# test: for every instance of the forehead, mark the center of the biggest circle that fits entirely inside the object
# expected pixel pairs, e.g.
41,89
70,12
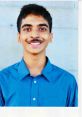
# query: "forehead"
34,20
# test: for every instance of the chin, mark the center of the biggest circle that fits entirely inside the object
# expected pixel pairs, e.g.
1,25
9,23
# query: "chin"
33,52
36,53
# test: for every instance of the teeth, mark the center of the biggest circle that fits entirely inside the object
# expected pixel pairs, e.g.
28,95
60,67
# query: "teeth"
36,43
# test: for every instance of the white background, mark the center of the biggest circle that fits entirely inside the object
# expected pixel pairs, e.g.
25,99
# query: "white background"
53,112
63,51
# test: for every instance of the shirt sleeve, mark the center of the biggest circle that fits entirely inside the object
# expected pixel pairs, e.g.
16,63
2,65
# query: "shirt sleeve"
76,96
1,98
73,100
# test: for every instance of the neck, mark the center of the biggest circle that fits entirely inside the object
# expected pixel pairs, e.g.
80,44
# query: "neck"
35,63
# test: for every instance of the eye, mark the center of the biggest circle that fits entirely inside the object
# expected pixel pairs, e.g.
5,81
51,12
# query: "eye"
27,29
42,29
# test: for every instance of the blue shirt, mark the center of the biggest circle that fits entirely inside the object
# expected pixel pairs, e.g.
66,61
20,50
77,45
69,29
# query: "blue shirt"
54,87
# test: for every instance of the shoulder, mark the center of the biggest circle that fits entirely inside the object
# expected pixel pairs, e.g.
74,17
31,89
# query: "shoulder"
10,70
63,75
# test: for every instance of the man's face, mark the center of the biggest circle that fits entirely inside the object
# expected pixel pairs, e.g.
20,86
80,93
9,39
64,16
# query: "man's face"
34,34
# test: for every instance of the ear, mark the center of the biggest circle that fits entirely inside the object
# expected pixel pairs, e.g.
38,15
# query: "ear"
18,38
51,37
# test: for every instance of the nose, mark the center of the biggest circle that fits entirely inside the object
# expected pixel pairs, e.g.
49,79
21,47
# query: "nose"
34,33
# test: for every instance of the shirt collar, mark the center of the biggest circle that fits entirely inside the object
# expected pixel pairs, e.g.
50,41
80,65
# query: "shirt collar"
22,69
50,72
47,71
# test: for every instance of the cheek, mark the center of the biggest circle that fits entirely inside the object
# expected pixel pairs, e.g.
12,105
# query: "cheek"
46,37
23,37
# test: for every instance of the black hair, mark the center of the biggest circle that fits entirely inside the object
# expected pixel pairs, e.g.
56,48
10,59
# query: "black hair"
36,10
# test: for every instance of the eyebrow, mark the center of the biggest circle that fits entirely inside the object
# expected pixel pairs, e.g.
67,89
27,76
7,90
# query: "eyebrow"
25,25
29,25
43,25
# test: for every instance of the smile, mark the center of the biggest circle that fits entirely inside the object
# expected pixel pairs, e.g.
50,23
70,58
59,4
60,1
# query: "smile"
35,43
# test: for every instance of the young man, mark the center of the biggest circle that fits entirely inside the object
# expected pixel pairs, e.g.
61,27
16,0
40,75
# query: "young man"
34,81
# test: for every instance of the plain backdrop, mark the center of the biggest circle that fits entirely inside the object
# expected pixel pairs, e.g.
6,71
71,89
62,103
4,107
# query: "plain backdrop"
63,51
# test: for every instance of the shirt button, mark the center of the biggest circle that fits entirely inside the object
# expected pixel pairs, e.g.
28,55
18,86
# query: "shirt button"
34,99
35,81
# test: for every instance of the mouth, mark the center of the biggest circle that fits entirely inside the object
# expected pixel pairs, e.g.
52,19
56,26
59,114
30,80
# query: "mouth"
35,43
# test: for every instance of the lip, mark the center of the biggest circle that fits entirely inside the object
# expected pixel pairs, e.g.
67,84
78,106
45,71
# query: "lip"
35,43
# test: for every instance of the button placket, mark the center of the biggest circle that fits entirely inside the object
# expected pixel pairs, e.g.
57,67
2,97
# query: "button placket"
34,92
35,81
34,99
